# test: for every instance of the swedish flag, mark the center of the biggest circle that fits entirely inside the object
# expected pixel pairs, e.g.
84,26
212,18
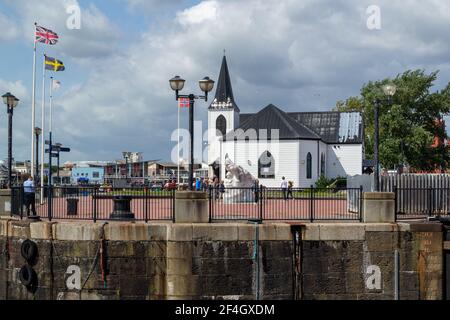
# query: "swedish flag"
54,64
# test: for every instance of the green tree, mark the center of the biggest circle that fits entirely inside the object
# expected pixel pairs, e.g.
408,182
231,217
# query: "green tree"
410,124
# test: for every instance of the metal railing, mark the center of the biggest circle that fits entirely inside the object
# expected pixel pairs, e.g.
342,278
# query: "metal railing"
259,203
306,204
416,203
95,203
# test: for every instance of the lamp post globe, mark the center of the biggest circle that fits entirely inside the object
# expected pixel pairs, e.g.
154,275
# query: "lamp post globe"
206,85
177,83
390,89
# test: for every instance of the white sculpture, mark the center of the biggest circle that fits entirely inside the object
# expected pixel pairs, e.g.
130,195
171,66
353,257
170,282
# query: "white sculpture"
237,177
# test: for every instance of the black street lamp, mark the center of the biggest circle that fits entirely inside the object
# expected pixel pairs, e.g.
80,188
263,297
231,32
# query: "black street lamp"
37,132
206,85
389,90
11,102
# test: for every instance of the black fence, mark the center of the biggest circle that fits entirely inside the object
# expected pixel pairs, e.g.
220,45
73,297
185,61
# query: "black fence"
416,203
304,204
95,203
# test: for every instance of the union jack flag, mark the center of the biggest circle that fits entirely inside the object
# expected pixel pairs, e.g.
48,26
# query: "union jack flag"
184,102
46,36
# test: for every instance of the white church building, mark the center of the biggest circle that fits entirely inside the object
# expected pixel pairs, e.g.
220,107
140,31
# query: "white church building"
272,144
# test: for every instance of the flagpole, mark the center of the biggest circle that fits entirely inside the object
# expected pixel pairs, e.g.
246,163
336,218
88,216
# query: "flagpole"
50,128
178,178
33,107
43,129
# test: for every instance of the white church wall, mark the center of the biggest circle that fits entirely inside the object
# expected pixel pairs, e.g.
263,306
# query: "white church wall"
344,160
305,148
246,154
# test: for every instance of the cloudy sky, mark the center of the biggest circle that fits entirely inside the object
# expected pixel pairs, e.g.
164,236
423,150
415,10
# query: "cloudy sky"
299,55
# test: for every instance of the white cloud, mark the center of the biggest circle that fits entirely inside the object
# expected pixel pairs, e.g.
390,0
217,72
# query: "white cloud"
199,13
8,27
97,37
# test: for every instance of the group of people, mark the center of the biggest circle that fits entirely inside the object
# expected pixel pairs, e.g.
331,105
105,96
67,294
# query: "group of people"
286,187
204,184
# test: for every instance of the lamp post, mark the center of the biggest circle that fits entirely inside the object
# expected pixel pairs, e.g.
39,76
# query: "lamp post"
206,85
37,132
389,90
11,102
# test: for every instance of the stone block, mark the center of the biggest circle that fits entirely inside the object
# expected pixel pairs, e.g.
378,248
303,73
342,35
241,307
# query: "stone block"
178,285
133,286
76,231
311,232
347,231
179,266
157,232
215,232
180,232
19,229
267,232
179,249
381,241
156,266
126,231
156,249
41,230
191,207
381,227
426,227
4,224
5,202
378,207
274,249
246,232
283,232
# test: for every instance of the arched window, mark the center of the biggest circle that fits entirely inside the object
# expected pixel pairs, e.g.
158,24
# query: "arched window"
309,166
322,164
266,166
221,125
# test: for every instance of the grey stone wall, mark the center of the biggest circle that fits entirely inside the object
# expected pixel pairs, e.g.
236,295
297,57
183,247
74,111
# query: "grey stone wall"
217,261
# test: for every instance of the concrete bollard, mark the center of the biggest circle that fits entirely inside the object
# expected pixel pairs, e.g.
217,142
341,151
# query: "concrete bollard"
191,207
379,207
5,202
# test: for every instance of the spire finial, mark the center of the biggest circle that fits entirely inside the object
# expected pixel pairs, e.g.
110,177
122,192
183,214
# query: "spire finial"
224,52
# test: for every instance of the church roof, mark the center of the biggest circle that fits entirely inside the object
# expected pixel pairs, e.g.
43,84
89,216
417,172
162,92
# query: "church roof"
272,118
224,98
331,127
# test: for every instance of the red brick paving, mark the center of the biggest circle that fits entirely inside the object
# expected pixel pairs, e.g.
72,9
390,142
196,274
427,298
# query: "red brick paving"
161,209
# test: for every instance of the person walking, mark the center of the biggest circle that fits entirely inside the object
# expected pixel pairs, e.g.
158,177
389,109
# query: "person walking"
198,185
30,196
284,188
290,187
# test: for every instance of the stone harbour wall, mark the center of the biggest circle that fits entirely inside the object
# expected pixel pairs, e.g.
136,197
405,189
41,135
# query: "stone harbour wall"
85,260
357,261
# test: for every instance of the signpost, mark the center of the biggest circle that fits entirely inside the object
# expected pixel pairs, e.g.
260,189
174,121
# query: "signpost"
53,152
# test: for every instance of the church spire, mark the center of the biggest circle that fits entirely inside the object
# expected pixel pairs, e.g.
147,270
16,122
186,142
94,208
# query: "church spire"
224,94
